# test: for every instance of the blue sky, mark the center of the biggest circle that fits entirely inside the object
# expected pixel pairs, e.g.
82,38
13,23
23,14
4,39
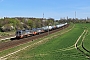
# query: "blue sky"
51,8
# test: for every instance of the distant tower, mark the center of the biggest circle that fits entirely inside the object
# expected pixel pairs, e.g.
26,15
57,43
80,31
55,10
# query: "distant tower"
43,20
43,15
87,18
75,15
67,17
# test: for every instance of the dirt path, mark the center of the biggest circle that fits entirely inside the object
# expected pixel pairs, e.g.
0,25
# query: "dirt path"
83,43
72,46
79,38
76,46
84,33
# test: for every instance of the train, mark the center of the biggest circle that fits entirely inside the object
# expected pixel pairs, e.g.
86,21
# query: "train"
36,31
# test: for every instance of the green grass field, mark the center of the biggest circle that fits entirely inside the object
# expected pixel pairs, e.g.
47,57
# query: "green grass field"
58,48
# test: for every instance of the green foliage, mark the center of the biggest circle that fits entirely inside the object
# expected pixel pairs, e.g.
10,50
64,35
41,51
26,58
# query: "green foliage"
8,22
38,23
2,22
50,21
30,23
14,21
34,23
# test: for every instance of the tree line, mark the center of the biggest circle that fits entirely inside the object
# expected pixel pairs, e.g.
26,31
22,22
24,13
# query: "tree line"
17,23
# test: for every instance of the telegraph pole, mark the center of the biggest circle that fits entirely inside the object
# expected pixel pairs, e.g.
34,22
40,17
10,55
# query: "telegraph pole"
45,22
48,26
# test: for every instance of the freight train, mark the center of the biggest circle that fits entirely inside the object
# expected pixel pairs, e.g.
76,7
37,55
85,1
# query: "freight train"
35,31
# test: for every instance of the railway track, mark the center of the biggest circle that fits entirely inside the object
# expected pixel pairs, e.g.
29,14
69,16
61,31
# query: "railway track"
16,42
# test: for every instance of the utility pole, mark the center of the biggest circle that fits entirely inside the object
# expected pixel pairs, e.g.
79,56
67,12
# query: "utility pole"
45,22
48,27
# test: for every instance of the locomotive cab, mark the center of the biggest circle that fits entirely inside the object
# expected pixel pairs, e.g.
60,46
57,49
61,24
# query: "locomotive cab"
19,34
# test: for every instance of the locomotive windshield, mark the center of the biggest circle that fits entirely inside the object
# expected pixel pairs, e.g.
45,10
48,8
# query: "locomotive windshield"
18,32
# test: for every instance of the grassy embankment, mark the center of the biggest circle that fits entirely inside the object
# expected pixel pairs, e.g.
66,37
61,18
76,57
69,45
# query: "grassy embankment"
86,41
54,49
2,34
6,35
60,48
2,53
